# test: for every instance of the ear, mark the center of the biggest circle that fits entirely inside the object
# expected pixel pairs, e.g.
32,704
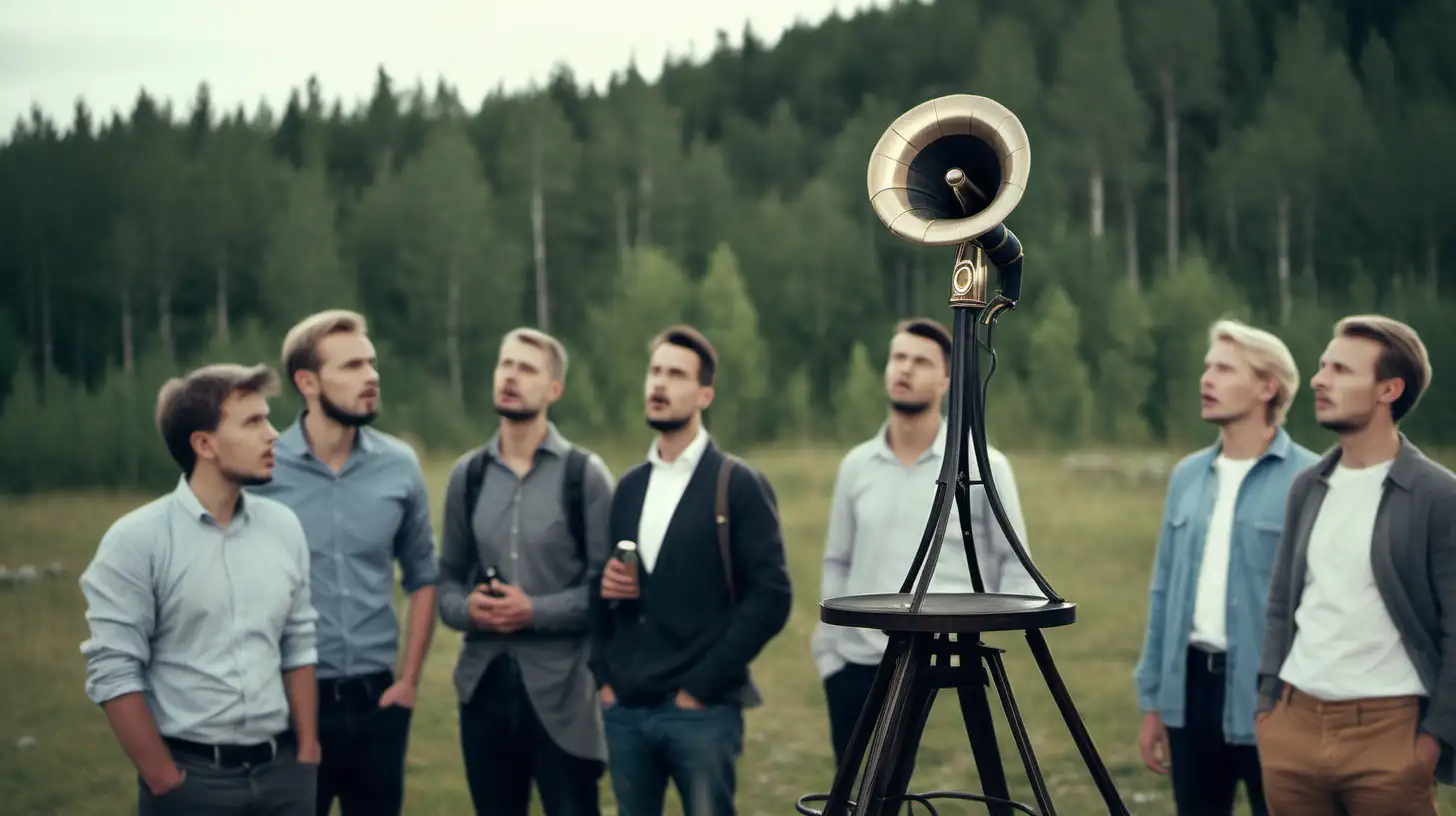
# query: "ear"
1268,388
1388,391
554,390
705,397
306,381
203,445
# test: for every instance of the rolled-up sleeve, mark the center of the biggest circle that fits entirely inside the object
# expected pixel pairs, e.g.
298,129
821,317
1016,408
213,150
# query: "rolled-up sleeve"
299,644
120,613
414,543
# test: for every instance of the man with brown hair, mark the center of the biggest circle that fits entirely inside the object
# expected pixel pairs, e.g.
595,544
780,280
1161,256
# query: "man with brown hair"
202,648
1357,707
674,634
882,492
361,497
525,535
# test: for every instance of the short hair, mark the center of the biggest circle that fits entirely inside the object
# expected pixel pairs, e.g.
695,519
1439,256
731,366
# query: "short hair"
300,345
930,329
555,352
1402,355
1268,356
193,402
690,338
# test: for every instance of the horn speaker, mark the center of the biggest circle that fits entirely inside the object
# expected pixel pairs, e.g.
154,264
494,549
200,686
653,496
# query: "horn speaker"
948,172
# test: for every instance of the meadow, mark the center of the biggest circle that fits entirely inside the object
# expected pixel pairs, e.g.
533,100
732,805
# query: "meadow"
1091,532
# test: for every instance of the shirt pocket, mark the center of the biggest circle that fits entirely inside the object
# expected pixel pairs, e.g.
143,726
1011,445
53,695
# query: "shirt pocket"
1261,548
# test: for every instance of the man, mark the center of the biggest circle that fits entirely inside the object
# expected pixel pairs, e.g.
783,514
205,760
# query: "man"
1196,680
361,498
525,534
202,650
878,514
674,632
1357,690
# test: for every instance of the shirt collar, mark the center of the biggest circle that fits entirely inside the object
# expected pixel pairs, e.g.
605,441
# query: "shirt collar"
936,449
185,495
689,457
554,442
294,440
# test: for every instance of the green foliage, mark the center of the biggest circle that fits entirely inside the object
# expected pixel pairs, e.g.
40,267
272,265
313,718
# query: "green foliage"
1283,163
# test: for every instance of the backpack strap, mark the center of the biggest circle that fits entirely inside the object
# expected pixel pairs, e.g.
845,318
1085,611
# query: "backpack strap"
721,512
475,472
573,497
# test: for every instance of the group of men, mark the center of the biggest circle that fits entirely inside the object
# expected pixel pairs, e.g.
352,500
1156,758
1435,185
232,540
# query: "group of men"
1302,607
244,641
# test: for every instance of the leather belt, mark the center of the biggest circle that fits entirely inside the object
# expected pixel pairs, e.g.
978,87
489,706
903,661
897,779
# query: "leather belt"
1213,662
234,756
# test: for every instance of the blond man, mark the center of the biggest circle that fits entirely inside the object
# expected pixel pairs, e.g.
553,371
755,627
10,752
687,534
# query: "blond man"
525,534
1196,680
1357,703
361,497
202,647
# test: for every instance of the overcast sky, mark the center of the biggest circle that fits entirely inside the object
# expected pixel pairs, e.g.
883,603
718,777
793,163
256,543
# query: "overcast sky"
54,51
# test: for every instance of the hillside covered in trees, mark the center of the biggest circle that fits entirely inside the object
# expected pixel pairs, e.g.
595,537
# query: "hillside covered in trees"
1285,162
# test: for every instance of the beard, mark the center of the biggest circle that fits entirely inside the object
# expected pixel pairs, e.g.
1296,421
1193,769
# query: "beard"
1344,426
241,479
348,419
910,409
668,424
518,414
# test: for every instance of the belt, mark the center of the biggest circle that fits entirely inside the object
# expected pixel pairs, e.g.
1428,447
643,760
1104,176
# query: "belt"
1213,662
365,687
234,756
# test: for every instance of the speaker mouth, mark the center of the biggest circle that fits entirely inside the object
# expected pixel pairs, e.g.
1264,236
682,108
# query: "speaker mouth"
906,177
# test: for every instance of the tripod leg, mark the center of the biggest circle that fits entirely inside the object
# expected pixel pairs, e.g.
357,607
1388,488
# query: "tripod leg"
981,732
1018,731
866,726
895,716
918,714
1078,729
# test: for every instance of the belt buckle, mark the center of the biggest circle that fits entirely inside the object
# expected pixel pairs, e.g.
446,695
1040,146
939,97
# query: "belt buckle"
1209,656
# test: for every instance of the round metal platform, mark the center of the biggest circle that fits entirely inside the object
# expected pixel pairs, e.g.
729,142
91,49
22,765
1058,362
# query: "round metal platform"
946,612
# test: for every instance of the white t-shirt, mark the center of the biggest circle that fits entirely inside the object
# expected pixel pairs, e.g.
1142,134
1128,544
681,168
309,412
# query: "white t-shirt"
1346,646
1210,605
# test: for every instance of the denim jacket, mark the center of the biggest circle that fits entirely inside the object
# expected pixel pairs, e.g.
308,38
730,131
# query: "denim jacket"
1258,521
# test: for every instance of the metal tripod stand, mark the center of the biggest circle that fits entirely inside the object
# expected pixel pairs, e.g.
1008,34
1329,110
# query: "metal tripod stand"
935,638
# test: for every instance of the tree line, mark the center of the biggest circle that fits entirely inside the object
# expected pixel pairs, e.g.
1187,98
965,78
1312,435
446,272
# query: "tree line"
1284,162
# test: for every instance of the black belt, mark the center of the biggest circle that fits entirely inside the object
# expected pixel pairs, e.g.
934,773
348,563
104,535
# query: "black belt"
364,688
1213,662
234,756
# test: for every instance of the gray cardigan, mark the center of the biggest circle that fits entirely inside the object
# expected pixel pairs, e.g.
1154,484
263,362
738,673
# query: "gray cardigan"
1413,555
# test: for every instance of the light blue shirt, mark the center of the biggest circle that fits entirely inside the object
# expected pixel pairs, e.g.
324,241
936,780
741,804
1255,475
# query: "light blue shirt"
202,620
360,521
877,518
1162,670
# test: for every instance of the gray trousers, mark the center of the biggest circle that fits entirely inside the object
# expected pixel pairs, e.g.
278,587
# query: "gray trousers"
282,787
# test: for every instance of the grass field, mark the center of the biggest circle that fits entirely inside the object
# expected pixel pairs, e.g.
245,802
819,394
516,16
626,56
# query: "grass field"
1092,535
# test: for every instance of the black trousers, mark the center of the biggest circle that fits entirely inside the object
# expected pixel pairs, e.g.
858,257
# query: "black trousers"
265,778
505,747
846,692
1207,770
363,747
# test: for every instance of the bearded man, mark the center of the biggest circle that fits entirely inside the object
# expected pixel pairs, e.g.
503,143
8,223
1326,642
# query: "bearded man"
361,497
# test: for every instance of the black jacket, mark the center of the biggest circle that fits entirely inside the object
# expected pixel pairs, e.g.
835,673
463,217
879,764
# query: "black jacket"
683,632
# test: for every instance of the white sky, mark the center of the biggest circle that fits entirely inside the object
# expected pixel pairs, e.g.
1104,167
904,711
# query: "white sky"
54,51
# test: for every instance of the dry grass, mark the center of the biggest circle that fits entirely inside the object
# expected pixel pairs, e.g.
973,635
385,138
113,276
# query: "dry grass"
1092,535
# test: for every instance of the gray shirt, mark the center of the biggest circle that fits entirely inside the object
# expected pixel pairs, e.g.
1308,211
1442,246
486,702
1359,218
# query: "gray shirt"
360,522
877,517
201,619
521,527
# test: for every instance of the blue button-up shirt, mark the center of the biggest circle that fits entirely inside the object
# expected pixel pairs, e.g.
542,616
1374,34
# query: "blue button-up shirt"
201,619
1258,522
360,521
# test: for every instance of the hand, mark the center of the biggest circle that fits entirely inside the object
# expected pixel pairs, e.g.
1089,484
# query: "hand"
310,753
609,698
500,608
618,582
168,783
1153,743
1428,751
401,694
686,702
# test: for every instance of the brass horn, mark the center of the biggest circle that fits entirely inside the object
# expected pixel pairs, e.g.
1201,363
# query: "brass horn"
948,172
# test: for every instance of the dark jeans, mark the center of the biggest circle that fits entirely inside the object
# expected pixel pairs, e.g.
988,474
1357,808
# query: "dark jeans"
846,692
1206,769
281,786
363,747
505,747
697,749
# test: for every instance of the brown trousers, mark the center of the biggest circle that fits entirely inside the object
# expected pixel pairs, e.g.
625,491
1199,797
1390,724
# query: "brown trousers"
1354,758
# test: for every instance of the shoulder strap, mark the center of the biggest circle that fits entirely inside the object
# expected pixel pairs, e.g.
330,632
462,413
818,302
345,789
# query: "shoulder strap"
475,472
721,512
573,495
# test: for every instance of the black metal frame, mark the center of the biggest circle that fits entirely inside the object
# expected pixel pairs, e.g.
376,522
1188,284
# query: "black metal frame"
938,645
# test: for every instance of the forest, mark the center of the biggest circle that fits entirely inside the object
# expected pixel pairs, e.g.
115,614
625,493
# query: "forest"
1283,162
